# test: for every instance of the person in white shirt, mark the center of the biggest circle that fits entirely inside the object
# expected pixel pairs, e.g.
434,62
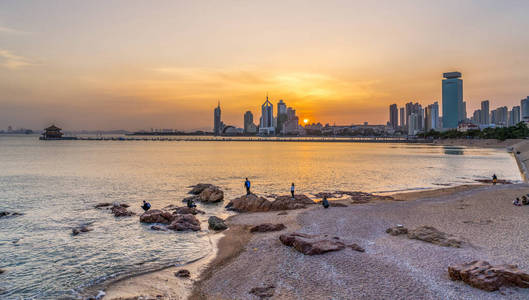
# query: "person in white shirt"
292,190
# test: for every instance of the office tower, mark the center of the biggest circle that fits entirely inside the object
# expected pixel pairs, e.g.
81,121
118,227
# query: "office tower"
281,115
500,116
524,111
427,118
485,117
248,121
402,118
452,99
217,123
431,117
463,111
493,117
413,124
514,116
291,125
477,116
267,118
393,116
419,114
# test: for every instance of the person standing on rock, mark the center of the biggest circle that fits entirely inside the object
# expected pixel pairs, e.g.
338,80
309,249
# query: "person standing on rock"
494,179
247,186
292,188
146,205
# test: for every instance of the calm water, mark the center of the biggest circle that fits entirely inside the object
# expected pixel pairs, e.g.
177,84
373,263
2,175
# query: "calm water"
56,183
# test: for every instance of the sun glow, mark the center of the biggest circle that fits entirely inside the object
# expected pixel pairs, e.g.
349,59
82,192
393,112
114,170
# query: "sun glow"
305,121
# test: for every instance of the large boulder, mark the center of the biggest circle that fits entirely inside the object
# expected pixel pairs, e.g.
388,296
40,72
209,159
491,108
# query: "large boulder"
397,230
311,244
217,223
121,211
482,275
211,194
198,188
432,235
157,216
183,210
183,273
254,203
185,222
267,227
263,292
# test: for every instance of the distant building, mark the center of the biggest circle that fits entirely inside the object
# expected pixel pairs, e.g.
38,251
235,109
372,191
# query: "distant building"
452,99
393,116
281,115
9,129
249,126
415,108
466,126
267,118
476,118
524,110
431,117
52,133
413,124
485,114
402,118
499,116
514,116
217,123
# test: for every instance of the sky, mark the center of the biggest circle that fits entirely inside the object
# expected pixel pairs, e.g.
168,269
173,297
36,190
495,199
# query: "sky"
109,64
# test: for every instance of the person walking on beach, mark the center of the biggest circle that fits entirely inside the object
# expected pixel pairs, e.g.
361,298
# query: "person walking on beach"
146,205
494,179
247,186
292,188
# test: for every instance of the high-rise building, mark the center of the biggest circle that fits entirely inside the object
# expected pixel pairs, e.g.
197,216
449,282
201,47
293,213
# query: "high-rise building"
402,118
281,115
413,124
514,116
524,110
393,116
431,117
291,125
267,118
485,114
249,126
452,99
217,123
477,116
419,114
502,115
463,111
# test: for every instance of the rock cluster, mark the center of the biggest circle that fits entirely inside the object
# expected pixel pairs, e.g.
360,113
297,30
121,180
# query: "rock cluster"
397,230
120,210
267,227
263,292
9,214
182,210
183,273
254,203
432,235
355,197
216,223
206,192
315,244
482,275
175,221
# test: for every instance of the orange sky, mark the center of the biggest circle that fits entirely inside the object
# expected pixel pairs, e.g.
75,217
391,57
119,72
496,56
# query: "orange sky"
137,64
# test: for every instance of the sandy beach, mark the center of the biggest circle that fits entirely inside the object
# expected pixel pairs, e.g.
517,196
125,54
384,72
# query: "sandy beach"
392,267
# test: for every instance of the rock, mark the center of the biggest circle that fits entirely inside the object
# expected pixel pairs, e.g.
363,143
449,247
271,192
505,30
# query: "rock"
197,189
431,235
397,230
121,211
211,194
356,247
2,271
311,244
183,210
103,204
194,198
217,223
482,275
263,292
10,214
267,227
183,273
185,222
157,216
81,229
254,203
158,228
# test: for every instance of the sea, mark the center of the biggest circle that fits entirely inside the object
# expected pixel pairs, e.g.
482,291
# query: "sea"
55,185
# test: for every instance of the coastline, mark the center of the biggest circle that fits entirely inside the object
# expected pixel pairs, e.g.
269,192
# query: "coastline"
479,143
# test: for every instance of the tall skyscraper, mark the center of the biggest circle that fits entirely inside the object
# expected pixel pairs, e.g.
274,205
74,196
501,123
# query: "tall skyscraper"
514,116
248,121
402,118
477,116
485,114
452,99
431,117
413,124
393,116
417,109
217,123
525,109
281,115
463,111
267,118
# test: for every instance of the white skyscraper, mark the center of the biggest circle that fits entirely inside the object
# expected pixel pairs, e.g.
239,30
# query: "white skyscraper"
267,118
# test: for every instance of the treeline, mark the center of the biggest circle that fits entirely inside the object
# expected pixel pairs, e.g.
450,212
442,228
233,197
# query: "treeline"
519,131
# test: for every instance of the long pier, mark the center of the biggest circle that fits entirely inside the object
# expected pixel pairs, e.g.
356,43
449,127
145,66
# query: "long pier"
261,139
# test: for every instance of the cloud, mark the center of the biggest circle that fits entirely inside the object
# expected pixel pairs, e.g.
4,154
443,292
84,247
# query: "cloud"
7,30
11,61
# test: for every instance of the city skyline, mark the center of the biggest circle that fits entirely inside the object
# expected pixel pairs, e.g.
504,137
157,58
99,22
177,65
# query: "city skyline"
131,65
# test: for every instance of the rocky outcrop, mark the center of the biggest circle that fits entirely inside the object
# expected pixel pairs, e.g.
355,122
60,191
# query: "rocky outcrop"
482,275
254,203
216,223
356,247
81,229
184,223
205,192
198,188
5,214
267,227
183,273
397,230
158,228
431,235
311,244
263,292
183,210
121,210
157,216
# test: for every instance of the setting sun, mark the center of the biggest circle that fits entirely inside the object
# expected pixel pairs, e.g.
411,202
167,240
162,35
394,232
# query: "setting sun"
305,121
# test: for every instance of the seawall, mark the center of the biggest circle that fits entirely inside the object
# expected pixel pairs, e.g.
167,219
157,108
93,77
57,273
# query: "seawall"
521,154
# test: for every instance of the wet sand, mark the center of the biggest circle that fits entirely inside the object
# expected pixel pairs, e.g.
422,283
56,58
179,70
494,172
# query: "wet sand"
480,143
